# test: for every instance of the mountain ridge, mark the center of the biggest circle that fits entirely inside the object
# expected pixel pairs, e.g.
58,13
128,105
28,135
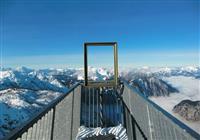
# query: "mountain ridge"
28,90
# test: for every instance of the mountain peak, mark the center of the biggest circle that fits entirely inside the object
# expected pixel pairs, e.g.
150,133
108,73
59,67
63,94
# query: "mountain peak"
190,110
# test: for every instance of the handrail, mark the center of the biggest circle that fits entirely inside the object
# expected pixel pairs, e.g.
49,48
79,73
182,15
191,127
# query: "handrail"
30,122
135,122
168,115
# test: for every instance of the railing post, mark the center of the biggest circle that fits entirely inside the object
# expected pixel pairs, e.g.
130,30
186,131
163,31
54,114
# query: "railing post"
101,106
133,128
52,125
72,115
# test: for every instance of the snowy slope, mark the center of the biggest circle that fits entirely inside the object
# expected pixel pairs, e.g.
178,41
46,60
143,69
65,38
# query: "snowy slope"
24,92
18,105
188,71
152,86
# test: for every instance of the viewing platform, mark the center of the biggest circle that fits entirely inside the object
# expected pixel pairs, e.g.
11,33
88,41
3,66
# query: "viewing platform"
81,106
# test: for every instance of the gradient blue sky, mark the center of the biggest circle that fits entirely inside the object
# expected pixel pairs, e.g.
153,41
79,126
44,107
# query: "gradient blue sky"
43,33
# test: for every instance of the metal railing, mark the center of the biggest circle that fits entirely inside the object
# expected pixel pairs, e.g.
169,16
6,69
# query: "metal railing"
155,123
100,107
58,121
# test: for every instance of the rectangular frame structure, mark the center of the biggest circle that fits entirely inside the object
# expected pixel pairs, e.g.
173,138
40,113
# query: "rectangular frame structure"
106,83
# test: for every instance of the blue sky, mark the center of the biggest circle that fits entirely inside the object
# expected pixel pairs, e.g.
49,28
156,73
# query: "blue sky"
42,34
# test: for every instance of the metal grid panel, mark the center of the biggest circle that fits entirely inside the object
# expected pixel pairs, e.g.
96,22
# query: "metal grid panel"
58,121
100,107
154,124
67,116
76,111
63,119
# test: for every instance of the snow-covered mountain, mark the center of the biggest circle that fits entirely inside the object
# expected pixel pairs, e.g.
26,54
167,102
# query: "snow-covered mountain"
152,86
188,71
24,91
18,105
99,74
21,80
